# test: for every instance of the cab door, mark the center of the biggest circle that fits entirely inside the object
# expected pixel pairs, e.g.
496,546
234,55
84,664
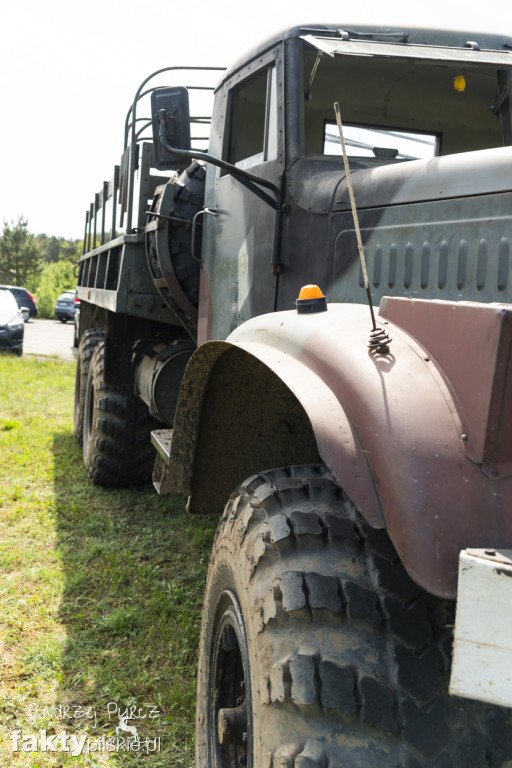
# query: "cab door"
247,131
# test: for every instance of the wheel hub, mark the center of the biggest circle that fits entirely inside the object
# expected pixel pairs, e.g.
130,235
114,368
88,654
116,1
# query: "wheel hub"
230,694
232,725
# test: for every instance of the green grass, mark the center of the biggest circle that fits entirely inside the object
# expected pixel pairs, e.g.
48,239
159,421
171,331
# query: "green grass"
100,591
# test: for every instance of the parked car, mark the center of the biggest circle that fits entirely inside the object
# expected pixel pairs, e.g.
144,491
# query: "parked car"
66,306
24,299
12,326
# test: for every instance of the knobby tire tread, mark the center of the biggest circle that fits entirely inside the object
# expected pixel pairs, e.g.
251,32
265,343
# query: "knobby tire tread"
118,451
86,348
350,658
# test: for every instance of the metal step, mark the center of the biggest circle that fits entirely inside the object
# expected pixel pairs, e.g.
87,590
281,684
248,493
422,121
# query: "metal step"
161,441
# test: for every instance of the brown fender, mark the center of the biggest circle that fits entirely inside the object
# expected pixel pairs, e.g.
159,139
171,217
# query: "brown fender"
393,429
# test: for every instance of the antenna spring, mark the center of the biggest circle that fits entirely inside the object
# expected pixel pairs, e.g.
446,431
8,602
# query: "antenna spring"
379,341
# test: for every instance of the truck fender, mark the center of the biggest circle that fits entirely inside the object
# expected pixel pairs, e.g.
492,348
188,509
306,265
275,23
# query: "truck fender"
243,408
288,388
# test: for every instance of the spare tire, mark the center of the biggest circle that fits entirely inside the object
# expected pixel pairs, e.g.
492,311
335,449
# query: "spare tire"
173,266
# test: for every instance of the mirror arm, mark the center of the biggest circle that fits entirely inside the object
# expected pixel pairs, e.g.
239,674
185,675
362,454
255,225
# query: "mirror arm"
249,180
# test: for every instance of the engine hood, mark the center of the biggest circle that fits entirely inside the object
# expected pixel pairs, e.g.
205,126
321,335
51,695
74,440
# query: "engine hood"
318,184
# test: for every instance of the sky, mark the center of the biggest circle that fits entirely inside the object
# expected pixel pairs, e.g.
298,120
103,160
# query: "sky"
69,70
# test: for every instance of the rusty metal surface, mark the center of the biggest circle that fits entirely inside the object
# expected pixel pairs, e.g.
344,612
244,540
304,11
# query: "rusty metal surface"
472,345
434,500
336,435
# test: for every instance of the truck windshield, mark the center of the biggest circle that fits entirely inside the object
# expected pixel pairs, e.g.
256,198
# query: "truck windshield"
419,107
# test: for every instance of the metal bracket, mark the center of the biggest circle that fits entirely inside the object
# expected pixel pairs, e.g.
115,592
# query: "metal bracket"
203,212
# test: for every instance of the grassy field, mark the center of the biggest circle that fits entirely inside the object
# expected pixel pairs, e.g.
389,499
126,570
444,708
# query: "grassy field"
100,595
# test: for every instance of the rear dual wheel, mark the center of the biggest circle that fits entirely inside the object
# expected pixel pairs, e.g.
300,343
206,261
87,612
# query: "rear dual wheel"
116,430
318,651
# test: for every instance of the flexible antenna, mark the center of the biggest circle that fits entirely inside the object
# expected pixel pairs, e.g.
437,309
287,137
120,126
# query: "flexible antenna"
379,339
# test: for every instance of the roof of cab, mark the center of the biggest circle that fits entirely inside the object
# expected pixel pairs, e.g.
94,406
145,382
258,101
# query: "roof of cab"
448,38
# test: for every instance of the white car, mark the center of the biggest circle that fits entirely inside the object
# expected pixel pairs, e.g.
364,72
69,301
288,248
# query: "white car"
12,326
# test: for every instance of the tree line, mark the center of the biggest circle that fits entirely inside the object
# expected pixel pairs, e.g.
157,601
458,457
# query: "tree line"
44,265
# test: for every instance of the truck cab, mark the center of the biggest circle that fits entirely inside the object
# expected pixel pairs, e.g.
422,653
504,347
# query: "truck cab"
407,100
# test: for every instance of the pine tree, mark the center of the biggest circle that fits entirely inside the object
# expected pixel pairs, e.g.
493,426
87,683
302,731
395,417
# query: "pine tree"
20,255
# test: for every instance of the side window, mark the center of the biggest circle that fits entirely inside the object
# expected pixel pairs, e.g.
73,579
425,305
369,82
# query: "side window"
252,134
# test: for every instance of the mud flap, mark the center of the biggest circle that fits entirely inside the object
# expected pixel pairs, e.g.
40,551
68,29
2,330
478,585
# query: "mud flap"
482,656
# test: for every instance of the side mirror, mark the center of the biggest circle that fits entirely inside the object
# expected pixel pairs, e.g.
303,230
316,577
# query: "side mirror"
171,127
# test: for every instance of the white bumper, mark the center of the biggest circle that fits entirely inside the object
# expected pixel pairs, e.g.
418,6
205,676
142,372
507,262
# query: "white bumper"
482,653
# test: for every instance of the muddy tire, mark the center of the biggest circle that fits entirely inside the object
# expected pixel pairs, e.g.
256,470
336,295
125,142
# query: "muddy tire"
318,650
117,431
85,350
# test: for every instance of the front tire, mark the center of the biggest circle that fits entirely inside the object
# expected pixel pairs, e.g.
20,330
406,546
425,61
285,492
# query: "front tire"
116,431
337,658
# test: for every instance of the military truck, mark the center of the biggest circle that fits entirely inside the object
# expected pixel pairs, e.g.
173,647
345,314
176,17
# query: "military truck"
298,314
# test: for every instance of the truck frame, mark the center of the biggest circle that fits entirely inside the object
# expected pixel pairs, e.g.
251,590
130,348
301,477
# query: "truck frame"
355,609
